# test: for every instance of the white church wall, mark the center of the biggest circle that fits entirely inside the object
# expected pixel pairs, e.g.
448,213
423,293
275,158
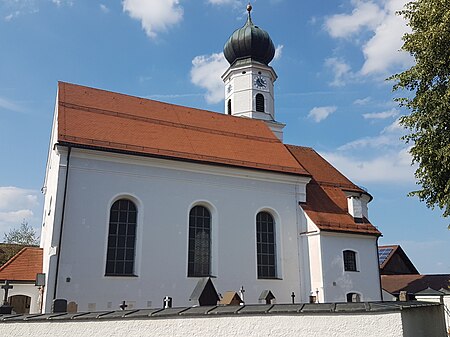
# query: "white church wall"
312,250
54,185
337,282
164,192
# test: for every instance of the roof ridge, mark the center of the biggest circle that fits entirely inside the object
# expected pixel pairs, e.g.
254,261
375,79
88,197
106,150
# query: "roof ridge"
167,123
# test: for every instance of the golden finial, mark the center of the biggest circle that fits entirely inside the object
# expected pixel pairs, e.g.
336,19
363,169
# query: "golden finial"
249,8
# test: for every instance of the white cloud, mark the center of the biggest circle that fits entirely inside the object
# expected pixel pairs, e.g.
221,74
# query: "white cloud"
8,105
341,70
389,137
11,196
155,16
16,8
62,2
15,217
223,2
391,167
104,9
381,52
278,52
17,204
385,27
381,115
362,101
365,14
383,158
318,114
206,73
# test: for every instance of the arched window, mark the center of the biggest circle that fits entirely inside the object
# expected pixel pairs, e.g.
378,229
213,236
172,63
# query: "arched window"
265,245
349,260
121,238
229,107
260,103
199,251
353,297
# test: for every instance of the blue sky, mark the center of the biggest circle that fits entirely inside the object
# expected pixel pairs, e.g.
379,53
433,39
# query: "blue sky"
332,61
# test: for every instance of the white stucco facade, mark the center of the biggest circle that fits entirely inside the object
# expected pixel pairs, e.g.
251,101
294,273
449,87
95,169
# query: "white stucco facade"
164,191
328,280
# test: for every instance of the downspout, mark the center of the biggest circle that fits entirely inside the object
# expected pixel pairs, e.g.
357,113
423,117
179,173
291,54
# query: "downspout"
62,223
379,274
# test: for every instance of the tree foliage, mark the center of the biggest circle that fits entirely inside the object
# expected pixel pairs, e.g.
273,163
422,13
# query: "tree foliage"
428,100
24,235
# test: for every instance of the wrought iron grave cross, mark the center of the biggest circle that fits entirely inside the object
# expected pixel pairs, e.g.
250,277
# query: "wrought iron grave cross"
6,288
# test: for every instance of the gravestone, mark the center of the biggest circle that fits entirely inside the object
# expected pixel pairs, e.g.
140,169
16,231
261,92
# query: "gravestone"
230,298
267,296
72,307
205,293
59,305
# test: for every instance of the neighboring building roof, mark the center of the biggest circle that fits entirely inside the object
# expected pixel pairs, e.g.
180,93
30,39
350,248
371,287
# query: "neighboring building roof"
8,250
23,266
326,202
429,292
414,283
394,261
103,120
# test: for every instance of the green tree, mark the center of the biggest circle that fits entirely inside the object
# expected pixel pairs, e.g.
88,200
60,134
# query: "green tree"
24,235
428,99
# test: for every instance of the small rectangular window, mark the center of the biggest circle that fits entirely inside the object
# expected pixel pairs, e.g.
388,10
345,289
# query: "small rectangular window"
349,260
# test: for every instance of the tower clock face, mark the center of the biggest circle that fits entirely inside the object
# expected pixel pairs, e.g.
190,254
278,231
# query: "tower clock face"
260,82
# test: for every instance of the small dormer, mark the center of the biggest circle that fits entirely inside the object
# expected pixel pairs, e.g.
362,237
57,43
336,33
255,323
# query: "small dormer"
357,204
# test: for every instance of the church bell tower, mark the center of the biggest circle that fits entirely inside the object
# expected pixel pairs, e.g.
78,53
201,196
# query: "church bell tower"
249,81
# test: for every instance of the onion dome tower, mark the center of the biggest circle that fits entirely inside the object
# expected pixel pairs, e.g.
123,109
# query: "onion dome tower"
249,90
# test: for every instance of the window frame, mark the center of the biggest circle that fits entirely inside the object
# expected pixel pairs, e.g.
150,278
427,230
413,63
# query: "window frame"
270,269
350,260
260,103
125,242
193,225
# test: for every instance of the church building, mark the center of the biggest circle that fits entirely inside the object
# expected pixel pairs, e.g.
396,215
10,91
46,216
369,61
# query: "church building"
145,199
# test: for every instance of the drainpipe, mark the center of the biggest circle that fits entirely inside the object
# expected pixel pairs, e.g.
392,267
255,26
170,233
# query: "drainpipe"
379,275
58,250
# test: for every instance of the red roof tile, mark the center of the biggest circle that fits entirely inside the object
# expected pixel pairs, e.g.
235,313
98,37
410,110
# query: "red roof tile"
326,202
414,283
111,121
23,266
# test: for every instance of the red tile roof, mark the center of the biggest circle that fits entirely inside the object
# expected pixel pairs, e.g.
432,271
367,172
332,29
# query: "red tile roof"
103,120
414,283
110,121
23,266
326,202
397,262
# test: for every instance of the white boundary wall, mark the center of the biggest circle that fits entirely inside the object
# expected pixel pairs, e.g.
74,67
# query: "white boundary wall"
415,322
